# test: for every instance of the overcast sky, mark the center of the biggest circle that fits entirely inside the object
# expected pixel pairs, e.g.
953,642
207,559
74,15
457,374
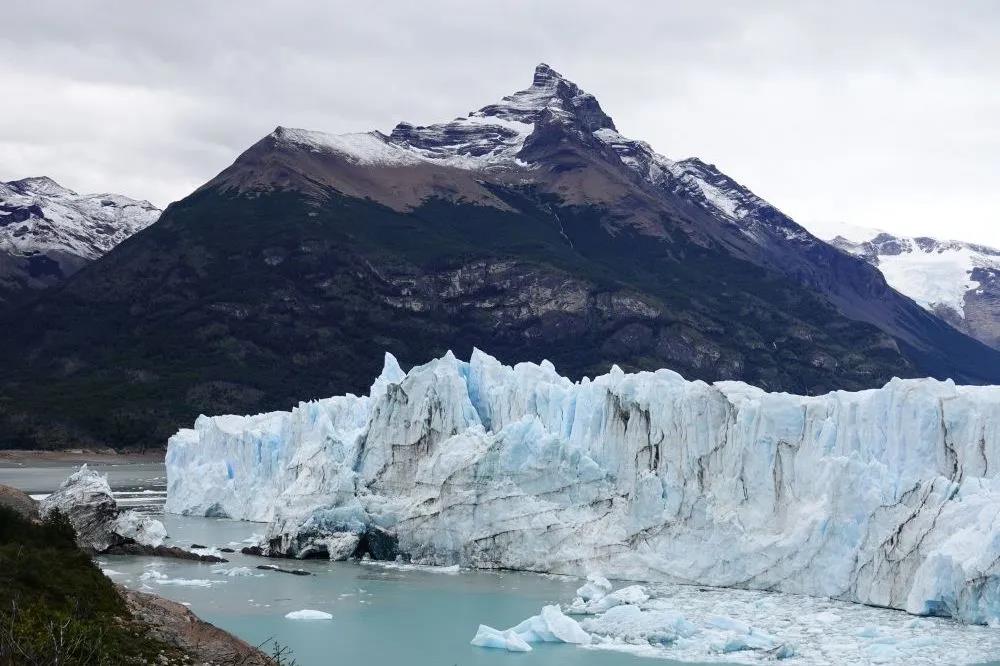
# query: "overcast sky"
875,114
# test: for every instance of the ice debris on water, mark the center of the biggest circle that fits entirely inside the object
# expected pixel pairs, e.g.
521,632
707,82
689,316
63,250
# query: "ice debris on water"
154,576
549,626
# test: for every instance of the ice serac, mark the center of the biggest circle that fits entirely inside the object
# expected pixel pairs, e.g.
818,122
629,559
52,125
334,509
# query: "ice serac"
886,497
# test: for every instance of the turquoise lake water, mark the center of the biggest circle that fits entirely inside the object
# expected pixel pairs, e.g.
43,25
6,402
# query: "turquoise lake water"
381,615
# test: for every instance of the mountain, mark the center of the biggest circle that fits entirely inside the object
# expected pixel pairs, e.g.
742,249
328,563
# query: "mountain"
531,228
957,281
48,232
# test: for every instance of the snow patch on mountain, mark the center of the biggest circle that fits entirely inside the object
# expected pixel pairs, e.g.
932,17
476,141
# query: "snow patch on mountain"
938,278
366,148
38,215
887,497
956,279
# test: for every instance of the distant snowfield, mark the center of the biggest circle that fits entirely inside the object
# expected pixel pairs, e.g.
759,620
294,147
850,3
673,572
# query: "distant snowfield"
934,273
933,279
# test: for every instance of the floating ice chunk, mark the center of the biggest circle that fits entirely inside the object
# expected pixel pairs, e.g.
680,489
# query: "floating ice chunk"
633,594
502,640
140,528
596,587
549,626
405,566
307,614
565,629
238,571
211,551
826,617
631,624
752,640
729,624
154,576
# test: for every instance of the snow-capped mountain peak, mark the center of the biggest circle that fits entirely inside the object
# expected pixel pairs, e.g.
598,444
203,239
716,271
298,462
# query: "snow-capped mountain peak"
488,138
553,139
550,92
48,231
40,186
956,280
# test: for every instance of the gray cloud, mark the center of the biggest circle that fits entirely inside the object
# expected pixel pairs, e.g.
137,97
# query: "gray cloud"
878,114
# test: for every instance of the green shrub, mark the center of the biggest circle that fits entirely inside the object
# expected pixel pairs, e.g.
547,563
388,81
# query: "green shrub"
56,607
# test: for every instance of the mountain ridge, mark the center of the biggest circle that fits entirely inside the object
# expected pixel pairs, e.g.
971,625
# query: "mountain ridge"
530,228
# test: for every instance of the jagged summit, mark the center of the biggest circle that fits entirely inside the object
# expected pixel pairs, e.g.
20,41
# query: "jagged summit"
550,92
39,185
491,138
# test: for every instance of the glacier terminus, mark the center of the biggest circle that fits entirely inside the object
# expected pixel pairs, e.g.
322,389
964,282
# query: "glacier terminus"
888,497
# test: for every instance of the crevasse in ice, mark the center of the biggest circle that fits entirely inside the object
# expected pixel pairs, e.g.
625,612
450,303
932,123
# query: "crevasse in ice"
888,496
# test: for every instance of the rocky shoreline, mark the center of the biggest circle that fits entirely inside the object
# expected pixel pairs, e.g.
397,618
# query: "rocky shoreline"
21,457
162,620
175,625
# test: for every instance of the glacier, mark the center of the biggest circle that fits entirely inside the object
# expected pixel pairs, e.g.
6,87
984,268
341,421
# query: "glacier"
888,497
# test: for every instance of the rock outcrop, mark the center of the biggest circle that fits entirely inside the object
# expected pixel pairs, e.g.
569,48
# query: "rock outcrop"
175,625
20,502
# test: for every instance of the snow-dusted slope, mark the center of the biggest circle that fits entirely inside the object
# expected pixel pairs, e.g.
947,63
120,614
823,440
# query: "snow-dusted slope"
958,281
888,497
48,232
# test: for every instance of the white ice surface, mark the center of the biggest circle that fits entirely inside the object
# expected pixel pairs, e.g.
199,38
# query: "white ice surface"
933,278
887,497
702,625
154,576
141,528
549,626
308,615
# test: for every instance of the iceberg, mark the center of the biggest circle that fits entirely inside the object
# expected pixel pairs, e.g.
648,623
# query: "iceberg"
549,626
86,499
309,615
154,576
502,640
140,528
886,497
596,587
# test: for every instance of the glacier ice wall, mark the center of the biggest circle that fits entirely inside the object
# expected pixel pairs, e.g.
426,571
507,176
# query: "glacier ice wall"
888,497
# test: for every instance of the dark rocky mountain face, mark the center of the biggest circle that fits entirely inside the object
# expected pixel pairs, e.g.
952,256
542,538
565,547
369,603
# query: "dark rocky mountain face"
530,228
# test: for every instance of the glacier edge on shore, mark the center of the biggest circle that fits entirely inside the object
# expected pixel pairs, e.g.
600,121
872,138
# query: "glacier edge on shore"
888,497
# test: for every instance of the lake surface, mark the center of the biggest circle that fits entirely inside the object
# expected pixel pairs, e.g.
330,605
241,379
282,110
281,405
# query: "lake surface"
419,616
